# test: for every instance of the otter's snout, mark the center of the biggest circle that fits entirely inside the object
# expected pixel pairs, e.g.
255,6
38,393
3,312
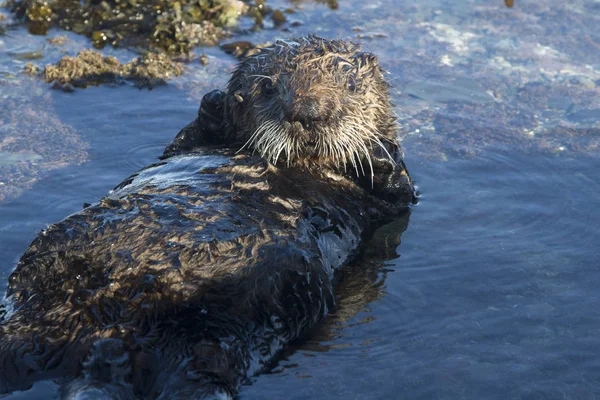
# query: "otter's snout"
307,111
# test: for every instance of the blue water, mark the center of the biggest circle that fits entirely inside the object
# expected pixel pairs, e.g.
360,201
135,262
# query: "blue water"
494,292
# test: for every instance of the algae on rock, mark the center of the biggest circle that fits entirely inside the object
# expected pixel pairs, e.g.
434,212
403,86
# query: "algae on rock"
92,68
172,26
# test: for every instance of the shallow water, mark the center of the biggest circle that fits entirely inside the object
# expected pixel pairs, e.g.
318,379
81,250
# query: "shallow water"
494,294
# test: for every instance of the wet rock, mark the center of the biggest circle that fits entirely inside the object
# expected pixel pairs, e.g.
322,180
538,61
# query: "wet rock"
57,41
203,59
31,69
332,4
237,49
152,69
242,49
2,29
278,17
92,68
172,26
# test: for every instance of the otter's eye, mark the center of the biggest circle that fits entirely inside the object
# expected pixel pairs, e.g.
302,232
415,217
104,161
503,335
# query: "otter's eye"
269,88
351,84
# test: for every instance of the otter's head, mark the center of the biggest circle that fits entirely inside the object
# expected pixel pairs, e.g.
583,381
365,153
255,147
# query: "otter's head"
311,101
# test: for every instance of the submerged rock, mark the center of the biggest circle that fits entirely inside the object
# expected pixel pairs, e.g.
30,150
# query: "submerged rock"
90,67
33,141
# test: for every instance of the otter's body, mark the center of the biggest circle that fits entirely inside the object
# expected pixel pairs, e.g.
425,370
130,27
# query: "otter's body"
189,276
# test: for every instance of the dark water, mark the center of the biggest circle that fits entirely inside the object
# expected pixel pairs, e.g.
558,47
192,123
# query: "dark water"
494,294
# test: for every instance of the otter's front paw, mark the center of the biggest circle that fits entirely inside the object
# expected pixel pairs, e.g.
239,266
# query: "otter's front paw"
390,180
204,130
395,185
211,112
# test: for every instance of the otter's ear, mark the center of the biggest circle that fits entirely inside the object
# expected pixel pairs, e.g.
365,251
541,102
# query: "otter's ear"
363,59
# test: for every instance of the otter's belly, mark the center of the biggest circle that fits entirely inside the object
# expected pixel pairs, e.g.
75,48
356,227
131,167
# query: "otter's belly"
210,256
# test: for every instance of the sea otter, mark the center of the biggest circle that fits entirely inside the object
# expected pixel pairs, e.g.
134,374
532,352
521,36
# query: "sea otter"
193,273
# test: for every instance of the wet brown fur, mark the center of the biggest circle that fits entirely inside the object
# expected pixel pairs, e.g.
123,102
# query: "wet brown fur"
344,86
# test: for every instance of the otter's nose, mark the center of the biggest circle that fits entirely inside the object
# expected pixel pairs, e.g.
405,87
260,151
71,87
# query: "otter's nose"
306,111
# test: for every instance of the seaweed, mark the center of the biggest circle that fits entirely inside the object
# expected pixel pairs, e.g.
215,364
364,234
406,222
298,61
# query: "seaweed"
159,25
90,67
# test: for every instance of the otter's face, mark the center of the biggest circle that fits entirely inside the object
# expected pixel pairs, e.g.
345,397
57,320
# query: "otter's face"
313,101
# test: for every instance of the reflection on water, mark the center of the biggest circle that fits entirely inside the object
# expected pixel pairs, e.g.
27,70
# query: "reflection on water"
494,294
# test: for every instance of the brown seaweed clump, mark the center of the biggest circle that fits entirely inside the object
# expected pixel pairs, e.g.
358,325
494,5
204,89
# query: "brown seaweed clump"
172,26
2,29
92,68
